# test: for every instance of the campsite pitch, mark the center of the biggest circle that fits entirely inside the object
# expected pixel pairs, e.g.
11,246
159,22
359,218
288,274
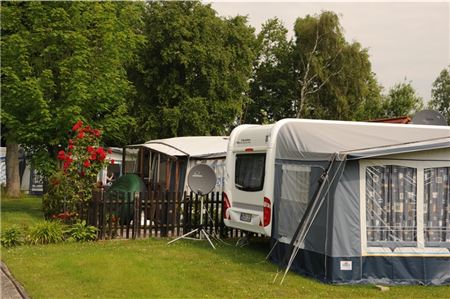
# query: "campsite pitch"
150,268
188,269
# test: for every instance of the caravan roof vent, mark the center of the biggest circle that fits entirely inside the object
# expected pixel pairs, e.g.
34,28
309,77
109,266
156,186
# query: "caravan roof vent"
429,117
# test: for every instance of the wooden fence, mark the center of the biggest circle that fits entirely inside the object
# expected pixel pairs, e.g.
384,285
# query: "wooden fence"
154,214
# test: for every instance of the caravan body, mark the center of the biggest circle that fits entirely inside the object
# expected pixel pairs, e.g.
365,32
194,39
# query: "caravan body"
375,197
253,152
249,179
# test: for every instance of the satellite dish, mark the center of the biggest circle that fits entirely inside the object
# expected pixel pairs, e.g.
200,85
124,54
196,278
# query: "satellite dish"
429,117
202,179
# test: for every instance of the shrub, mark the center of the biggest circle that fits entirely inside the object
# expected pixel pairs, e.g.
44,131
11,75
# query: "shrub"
47,232
81,232
56,200
11,237
81,160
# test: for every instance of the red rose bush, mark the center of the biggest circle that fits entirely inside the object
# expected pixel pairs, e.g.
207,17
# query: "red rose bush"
81,161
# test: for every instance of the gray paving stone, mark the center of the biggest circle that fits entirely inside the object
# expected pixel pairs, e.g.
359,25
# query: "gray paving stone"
10,288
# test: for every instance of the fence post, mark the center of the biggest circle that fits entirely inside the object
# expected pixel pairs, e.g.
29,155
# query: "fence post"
221,225
102,208
110,233
137,215
145,211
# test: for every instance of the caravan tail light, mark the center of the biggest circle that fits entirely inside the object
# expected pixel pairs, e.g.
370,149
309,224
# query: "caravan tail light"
266,212
226,206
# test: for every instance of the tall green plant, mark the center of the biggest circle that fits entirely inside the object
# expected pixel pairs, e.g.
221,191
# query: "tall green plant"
47,232
64,60
80,232
440,93
81,161
11,237
192,77
402,100
273,86
334,77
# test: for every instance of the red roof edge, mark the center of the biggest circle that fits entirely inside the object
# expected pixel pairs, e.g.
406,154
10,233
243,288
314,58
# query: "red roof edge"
393,120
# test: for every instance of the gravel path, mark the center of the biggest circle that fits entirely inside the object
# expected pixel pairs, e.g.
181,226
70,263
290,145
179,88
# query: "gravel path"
10,288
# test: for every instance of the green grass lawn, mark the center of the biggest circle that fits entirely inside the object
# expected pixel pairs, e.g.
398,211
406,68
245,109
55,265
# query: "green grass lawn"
151,268
24,211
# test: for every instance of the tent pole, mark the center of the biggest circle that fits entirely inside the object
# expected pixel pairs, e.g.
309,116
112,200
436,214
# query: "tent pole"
141,163
150,156
273,247
124,157
168,167
159,169
177,174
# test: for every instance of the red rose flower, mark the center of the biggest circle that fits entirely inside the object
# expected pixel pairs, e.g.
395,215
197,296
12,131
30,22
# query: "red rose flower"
93,156
78,124
112,161
101,153
87,163
61,155
109,151
96,132
70,141
90,149
70,146
80,135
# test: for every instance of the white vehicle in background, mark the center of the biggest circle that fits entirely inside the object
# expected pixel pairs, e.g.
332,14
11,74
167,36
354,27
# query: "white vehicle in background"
249,179
255,151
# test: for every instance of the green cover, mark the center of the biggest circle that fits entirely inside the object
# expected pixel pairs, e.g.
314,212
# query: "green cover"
125,188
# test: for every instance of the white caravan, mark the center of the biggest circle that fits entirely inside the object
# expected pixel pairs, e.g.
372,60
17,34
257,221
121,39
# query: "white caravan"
254,151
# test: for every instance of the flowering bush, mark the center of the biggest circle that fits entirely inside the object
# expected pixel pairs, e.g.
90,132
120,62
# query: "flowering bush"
81,161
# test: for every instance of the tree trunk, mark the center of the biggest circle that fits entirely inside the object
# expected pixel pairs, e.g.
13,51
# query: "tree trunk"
301,101
12,170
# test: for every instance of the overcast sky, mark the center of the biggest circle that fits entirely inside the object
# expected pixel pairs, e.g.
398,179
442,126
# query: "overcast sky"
409,40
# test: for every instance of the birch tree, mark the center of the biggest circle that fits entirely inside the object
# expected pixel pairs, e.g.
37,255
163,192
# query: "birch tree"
334,76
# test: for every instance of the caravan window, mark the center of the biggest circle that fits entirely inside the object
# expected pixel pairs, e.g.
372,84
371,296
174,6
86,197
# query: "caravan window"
249,171
436,205
391,194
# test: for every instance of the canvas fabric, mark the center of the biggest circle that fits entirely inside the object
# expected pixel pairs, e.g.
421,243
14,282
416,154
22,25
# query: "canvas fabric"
302,139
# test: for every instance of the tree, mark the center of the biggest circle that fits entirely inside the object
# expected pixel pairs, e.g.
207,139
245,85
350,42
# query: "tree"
402,100
273,84
62,61
440,94
334,77
192,76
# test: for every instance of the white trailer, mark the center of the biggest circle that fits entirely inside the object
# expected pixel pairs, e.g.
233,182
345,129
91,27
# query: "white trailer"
255,151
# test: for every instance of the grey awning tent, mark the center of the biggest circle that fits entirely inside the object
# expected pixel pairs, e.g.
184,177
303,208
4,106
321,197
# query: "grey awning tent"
378,207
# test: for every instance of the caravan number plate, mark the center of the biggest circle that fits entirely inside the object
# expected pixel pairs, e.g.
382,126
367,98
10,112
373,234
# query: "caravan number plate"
246,217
